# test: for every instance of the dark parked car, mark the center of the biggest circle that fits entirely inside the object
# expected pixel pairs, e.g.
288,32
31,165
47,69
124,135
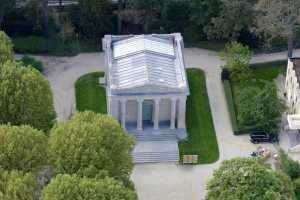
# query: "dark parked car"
262,136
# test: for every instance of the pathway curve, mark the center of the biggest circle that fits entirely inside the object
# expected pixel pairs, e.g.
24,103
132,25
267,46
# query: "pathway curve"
163,181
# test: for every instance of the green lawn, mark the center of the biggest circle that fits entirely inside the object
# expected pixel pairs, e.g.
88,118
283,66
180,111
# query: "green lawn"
201,133
89,94
261,72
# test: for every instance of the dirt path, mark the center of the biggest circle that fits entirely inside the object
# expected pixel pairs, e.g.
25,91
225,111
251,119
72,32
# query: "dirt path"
162,181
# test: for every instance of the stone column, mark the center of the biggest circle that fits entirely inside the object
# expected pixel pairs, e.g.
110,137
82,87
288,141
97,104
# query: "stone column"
139,123
181,112
156,114
173,113
123,113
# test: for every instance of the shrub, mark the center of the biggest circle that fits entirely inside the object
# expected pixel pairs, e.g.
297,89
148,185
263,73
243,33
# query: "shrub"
16,185
90,144
289,166
22,148
6,48
25,97
297,187
249,178
66,187
28,60
225,75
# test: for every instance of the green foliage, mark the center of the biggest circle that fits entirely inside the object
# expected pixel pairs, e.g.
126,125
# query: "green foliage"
296,183
91,143
42,45
25,97
89,95
237,58
230,105
16,185
30,61
93,18
248,178
260,107
67,187
22,148
234,16
202,139
289,166
6,48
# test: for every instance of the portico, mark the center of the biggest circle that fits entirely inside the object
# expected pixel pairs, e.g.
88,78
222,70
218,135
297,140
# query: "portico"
146,83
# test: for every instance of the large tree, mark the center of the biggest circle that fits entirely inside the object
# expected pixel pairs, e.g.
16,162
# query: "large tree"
249,178
235,16
279,18
260,107
25,97
93,18
5,7
91,144
6,48
16,185
67,187
22,148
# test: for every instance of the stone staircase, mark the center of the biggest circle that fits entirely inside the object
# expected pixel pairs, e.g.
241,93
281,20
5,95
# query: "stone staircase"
155,151
154,146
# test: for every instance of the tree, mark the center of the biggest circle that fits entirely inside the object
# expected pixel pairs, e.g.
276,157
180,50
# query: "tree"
146,13
237,59
279,18
67,187
90,144
260,107
297,187
249,178
25,97
16,185
6,48
93,18
234,17
5,7
22,148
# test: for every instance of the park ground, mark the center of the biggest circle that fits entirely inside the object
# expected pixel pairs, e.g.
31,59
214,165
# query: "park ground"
167,181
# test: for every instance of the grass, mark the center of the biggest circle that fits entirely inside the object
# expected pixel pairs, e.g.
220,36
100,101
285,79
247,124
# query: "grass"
201,133
209,45
89,94
261,72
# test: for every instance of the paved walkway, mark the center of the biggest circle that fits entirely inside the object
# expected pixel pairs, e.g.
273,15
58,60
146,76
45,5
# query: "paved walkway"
162,181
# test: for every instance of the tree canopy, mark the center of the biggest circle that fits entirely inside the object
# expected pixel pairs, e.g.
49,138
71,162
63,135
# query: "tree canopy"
6,48
67,187
25,97
91,144
22,148
17,185
278,18
249,178
260,107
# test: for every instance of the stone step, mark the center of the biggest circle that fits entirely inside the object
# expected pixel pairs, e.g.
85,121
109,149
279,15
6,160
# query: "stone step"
151,137
154,157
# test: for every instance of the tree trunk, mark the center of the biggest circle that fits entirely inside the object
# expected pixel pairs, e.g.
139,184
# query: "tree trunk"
119,16
45,18
290,45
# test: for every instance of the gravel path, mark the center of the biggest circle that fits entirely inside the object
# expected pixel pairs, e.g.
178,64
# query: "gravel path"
164,181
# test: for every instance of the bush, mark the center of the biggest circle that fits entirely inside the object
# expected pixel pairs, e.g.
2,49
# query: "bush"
25,97
225,75
289,166
297,187
91,144
41,45
66,187
6,48
22,148
28,60
16,185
